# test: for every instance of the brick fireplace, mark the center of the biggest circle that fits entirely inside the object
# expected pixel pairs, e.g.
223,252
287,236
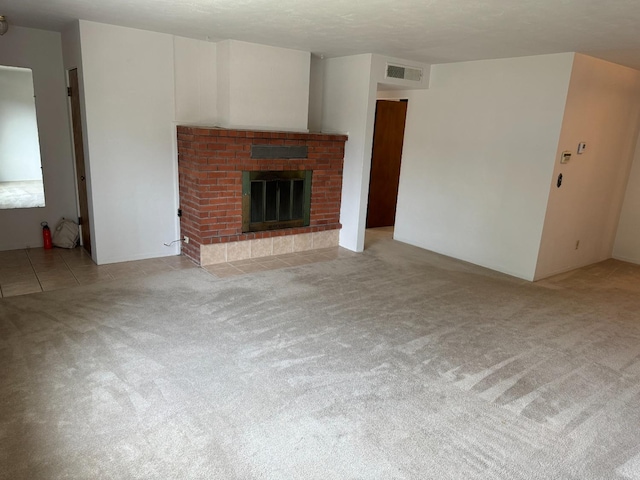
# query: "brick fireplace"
212,163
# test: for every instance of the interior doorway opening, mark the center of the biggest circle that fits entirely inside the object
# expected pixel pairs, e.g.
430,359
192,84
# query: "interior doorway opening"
375,236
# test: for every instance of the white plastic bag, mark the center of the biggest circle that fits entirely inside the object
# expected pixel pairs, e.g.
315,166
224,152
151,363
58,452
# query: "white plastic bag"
66,234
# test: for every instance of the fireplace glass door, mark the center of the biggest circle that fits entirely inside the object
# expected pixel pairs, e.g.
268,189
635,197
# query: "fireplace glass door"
275,200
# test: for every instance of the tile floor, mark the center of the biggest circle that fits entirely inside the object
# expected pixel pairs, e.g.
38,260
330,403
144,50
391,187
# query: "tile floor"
36,270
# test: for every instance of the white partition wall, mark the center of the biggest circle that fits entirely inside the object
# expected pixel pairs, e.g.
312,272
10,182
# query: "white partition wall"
347,108
478,156
130,110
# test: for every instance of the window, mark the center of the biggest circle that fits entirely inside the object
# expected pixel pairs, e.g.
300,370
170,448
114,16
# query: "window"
20,166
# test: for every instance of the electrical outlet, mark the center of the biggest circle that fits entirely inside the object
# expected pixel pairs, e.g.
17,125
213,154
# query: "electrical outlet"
185,239
577,244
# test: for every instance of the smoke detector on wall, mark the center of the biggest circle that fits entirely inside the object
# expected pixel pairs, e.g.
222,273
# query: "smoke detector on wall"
403,72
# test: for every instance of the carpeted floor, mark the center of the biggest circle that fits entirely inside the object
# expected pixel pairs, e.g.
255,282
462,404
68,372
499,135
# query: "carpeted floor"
393,364
24,194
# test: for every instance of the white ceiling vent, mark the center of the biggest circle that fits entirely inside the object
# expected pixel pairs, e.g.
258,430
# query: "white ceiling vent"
404,73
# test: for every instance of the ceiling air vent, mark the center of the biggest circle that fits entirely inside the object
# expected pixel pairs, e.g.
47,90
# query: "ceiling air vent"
404,73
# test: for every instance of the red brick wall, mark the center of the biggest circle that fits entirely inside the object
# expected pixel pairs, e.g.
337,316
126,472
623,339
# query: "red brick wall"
210,166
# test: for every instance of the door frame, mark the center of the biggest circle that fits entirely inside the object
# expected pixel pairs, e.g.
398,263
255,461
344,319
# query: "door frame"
86,228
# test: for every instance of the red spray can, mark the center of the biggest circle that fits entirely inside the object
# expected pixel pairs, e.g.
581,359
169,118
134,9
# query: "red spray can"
46,236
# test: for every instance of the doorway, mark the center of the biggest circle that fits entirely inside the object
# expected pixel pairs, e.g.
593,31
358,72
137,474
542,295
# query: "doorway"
388,138
78,148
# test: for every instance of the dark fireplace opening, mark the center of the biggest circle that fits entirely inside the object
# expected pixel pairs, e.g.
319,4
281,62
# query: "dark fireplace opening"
274,200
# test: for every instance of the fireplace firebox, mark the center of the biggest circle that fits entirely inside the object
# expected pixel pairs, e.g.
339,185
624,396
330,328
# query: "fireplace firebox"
273,200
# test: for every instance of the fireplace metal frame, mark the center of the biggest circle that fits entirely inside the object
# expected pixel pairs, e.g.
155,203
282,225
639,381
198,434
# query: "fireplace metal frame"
265,176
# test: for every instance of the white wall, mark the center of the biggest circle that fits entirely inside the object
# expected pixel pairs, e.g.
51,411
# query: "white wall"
602,110
136,86
19,144
195,81
627,244
346,108
41,51
316,89
223,77
129,97
263,87
478,154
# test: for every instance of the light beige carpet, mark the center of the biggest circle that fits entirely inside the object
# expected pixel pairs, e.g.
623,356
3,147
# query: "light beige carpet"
23,194
396,363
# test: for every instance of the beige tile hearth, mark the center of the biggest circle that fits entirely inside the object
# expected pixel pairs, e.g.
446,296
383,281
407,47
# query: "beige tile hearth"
275,262
261,247
212,254
282,245
238,251
302,242
326,239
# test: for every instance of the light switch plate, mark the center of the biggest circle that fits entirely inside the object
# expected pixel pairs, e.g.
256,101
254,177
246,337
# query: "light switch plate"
581,147
565,157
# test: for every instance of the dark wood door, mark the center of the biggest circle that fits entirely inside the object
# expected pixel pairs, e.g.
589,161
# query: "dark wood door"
78,146
388,137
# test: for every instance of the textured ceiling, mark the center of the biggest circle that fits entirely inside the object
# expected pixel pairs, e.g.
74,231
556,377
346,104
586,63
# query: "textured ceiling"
433,31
